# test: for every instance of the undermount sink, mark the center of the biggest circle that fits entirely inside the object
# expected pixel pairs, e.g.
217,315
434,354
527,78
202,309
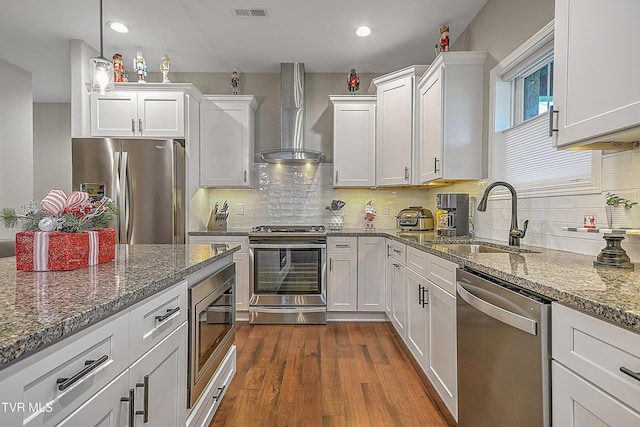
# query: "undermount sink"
475,248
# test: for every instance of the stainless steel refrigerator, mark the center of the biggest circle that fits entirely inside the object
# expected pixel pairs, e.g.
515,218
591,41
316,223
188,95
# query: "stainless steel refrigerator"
144,177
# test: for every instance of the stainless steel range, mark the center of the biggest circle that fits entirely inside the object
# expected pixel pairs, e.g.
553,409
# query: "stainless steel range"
288,274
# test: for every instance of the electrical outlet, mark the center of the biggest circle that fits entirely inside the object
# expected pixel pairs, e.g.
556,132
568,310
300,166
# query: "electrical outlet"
386,208
240,209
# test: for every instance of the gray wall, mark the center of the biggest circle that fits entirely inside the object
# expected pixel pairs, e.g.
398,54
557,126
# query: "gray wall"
16,140
51,148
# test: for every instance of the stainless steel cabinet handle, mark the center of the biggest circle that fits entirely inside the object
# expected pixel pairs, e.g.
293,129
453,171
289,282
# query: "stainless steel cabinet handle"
220,391
169,313
406,173
330,264
132,409
435,164
420,295
145,407
397,251
551,128
343,245
388,250
337,177
91,365
140,126
425,296
396,265
133,126
524,324
245,176
634,375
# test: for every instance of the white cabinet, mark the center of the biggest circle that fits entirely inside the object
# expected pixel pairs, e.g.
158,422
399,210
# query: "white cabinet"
354,139
132,113
227,140
450,118
342,277
241,258
395,126
596,371
371,273
595,99
417,316
160,382
397,286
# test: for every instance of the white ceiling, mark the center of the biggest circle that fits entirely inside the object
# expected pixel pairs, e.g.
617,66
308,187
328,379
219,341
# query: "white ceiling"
206,36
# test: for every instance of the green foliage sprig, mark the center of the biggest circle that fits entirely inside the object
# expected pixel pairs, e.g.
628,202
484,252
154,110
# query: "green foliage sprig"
613,200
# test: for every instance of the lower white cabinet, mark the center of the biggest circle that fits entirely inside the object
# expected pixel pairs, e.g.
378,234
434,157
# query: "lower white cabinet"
241,258
398,296
371,269
596,371
417,317
342,274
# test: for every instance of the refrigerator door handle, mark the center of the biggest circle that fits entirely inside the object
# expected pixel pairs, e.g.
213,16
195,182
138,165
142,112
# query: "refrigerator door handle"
125,193
116,192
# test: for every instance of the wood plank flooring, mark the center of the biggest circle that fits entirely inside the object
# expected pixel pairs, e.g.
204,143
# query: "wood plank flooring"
339,374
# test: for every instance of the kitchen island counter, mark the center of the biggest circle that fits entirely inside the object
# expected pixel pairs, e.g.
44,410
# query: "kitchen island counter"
40,308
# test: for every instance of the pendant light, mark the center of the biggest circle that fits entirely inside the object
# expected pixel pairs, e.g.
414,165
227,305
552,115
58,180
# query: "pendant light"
101,69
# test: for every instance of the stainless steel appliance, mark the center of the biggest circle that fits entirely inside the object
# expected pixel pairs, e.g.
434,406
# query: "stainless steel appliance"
144,177
211,327
415,218
503,353
288,274
452,217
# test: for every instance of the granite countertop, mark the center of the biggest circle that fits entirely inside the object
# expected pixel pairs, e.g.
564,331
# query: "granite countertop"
39,308
566,277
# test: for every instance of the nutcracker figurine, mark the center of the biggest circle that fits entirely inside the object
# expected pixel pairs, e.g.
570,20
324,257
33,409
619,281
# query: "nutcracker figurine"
165,65
369,216
118,68
140,67
353,81
235,81
444,39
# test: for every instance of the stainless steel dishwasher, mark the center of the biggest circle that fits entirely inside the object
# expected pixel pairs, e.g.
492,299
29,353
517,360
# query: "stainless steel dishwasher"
503,353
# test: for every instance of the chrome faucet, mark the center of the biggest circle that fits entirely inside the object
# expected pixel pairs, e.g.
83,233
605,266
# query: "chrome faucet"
515,234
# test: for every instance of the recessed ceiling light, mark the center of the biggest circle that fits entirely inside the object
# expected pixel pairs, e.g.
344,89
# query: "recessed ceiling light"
363,31
118,27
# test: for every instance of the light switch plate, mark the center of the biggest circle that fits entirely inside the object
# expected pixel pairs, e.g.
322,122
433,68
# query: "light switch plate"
386,208
240,209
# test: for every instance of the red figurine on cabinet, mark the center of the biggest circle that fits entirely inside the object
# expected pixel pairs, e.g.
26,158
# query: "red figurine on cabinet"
353,82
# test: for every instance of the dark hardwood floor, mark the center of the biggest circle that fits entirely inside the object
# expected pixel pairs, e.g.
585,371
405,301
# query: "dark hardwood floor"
339,374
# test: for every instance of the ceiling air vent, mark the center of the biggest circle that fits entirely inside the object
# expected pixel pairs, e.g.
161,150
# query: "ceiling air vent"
249,13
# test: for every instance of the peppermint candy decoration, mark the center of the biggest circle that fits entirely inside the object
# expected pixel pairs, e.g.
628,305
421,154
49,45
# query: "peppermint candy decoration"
56,201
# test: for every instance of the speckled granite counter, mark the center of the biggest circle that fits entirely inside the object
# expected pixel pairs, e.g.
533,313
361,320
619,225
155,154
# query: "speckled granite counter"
566,277
37,309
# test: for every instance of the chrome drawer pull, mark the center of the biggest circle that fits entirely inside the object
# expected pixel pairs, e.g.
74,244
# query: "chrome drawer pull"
169,313
343,245
132,410
634,375
91,365
145,408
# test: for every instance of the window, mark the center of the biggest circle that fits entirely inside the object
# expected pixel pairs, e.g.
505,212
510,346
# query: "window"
520,148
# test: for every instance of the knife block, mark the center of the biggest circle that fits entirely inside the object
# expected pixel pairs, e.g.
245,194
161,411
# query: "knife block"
217,221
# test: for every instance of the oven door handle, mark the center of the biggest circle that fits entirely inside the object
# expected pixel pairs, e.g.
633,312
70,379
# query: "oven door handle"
288,246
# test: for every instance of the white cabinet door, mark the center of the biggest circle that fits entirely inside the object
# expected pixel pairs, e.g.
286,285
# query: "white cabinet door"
399,298
441,346
430,127
578,403
388,282
394,132
354,138
227,141
342,282
161,114
371,273
160,380
105,408
114,115
154,114
417,316
596,95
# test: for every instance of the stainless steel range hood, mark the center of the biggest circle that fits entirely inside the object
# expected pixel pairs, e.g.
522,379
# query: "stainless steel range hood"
292,122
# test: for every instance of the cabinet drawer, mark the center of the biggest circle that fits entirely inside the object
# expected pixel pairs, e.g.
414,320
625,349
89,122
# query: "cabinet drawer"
442,273
238,240
597,350
417,261
397,251
342,245
156,318
209,402
36,381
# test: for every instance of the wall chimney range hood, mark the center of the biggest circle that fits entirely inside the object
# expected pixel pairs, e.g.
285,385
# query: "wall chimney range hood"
292,119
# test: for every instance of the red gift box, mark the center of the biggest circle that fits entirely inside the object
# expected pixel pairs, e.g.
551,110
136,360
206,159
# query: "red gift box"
49,251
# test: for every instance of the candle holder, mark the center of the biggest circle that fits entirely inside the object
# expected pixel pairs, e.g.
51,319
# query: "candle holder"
613,255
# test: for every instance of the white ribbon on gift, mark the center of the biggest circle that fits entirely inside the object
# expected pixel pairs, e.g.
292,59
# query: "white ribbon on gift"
41,249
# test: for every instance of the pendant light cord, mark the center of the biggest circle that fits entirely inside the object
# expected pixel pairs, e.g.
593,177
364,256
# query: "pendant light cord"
101,45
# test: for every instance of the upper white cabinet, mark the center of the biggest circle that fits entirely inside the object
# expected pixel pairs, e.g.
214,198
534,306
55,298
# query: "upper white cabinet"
396,126
450,117
354,139
596,84
137,113
227,140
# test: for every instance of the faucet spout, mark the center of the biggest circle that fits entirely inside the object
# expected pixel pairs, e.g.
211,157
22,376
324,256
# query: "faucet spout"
515,234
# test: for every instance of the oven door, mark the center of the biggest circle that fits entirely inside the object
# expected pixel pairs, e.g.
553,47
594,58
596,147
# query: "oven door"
288,274
212,328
